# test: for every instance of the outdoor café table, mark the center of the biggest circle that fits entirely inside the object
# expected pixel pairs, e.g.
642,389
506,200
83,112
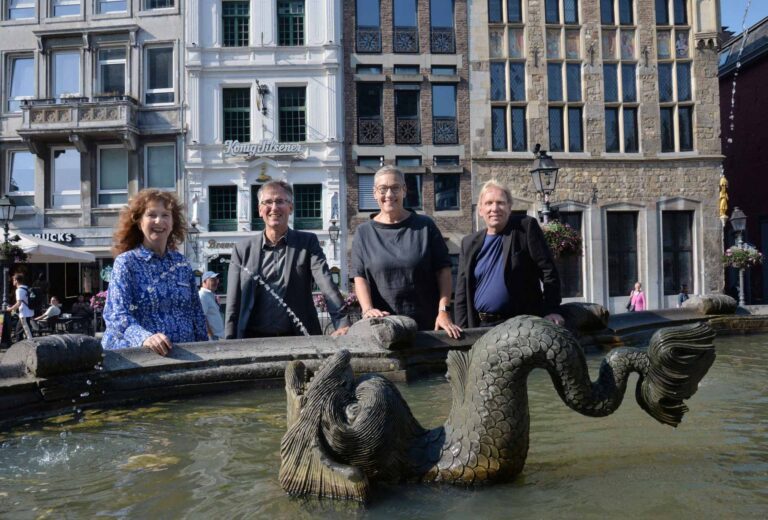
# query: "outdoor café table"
69,323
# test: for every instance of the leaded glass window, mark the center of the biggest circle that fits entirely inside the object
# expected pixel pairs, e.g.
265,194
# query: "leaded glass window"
293,114
499,129
676,94
235,21
290,22
677,241
498,81
237,114
622,252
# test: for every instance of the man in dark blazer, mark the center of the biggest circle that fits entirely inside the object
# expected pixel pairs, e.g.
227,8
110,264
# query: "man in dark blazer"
282,261
506,269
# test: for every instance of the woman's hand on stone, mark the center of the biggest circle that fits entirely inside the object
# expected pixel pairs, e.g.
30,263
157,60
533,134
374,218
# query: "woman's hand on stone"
158,343
374,313
444,322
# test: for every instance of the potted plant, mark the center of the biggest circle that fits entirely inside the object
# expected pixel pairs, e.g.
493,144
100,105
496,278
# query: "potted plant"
742,256
563,240
10,251
98,301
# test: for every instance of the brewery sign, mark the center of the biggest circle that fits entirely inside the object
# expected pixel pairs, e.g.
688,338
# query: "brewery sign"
264,148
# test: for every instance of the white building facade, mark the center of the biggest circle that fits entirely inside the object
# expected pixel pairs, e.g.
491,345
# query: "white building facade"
264,91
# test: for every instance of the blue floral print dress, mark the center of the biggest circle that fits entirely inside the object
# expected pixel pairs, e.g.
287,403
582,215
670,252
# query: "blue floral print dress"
149,294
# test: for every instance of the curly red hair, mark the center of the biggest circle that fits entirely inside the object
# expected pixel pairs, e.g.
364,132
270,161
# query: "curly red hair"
128,235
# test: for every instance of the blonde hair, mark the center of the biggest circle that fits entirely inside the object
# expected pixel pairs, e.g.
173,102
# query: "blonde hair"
493,184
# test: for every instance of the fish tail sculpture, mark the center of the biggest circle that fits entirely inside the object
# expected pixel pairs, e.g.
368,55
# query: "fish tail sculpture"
344,433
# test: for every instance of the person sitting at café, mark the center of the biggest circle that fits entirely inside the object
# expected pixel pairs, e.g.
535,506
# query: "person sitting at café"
81,308
51,312
152,301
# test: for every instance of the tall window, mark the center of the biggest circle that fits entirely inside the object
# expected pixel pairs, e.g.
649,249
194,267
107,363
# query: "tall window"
447,194
407,125
366,200
159,73
160,166
506,35
65,7
21,183
290,22
20,81
370,126
21,9
308,206
622,252
677,229
111,6
570,267
66,177
564,76
413,196
222,204
675,89
237,114
110,75
113,176
66,74
368,30
235,19
257,223
444,126
406,32
293,113
442,35
620,76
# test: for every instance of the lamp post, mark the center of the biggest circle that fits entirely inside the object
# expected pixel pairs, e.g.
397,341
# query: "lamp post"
544,174
193,233
739,224
333,234
7,212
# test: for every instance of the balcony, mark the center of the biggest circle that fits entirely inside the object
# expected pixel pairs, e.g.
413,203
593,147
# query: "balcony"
445,130
443,40
368,39
407,130
78,118
370,130
405,40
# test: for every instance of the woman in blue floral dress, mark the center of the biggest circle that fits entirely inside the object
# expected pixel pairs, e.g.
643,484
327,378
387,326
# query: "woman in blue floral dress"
152,300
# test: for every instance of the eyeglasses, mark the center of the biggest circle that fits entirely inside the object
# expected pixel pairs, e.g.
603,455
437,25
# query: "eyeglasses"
382,190
274,202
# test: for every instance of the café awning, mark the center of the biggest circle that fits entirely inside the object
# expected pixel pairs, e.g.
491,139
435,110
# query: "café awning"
43,251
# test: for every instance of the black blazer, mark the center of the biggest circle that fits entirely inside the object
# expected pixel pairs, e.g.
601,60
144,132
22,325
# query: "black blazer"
529,268
304,262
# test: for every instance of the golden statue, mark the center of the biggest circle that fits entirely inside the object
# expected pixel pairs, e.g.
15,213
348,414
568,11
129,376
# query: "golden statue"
723,195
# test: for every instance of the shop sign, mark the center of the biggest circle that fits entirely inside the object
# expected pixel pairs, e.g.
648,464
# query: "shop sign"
212,244
264,148
62,238
106,273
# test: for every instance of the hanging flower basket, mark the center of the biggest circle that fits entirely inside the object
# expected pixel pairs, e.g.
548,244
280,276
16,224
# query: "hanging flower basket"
742,257
350,302
562,239
12,252
98,301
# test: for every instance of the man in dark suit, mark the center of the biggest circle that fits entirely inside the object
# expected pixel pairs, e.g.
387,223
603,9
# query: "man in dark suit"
282,261
506,269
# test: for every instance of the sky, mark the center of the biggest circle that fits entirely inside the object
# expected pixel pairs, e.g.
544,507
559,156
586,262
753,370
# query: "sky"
732,13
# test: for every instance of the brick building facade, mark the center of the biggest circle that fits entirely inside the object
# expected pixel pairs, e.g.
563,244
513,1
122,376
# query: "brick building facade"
397,54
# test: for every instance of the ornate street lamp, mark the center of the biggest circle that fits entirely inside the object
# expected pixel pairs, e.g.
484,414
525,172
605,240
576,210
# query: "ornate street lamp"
333,234
7,212
544,174
739,224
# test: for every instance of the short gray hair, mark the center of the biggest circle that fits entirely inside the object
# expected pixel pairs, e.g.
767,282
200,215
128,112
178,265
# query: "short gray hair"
283,185
390,170
493,184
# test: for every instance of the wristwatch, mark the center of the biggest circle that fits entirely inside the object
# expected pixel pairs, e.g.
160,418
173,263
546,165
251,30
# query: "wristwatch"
444,308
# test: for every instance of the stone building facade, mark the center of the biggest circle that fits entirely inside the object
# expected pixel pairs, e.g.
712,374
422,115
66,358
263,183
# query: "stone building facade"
265,103
624,94
91,113
406,91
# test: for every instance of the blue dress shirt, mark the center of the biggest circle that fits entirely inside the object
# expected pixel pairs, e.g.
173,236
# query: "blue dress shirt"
149,294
